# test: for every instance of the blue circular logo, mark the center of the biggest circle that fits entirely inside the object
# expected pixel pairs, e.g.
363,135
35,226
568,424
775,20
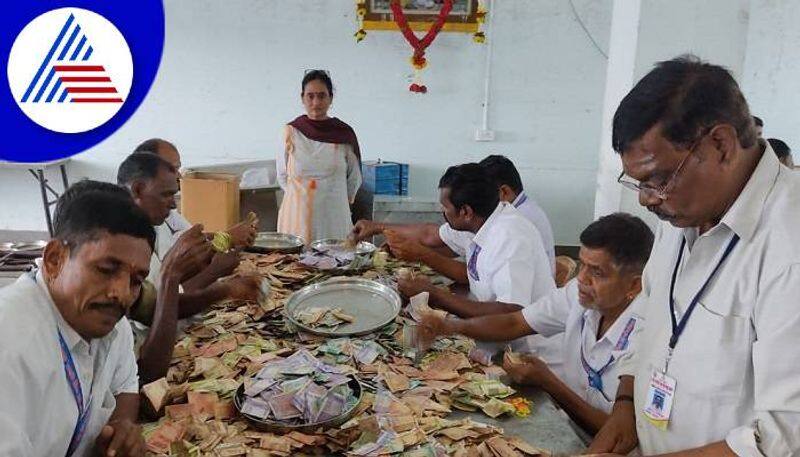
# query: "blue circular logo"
74,73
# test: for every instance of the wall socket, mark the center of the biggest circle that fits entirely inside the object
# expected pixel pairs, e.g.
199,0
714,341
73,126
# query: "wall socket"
484,135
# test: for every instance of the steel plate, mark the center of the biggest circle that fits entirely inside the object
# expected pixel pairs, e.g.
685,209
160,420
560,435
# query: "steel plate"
277,242
371,303
23,246
363,247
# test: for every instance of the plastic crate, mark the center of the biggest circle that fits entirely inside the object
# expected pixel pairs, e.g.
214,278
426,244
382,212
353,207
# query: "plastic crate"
385,178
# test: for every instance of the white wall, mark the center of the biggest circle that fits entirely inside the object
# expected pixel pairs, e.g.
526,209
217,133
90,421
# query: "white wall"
714,30
230,78
620,74
771,78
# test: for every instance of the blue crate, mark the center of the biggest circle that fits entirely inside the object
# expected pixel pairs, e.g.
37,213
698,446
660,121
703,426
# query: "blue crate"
385,178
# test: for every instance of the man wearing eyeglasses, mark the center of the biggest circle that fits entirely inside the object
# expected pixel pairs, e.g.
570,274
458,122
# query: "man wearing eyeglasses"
717,368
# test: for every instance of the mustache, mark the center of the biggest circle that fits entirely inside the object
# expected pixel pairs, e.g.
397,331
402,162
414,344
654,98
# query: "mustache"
113,306
660,214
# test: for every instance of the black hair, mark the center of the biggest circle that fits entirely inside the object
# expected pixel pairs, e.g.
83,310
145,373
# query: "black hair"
471,186
89,208
758,121
317,75
152,145
502,171
141,166
625,237
780,147
686,96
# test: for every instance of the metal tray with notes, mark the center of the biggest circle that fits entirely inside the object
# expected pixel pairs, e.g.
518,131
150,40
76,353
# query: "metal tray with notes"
372,304
267,242
362,248
362,255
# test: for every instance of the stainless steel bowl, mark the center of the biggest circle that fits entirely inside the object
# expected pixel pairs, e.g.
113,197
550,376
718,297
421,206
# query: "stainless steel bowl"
282,427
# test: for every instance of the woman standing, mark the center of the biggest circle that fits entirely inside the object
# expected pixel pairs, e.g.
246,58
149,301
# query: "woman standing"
319,167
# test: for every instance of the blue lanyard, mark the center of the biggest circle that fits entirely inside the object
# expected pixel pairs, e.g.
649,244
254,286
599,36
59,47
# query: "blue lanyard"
595,377
472,265
75,385
678,327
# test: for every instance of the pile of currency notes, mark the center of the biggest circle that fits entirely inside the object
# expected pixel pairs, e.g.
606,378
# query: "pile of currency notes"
299,390
406,402
329,318
334,257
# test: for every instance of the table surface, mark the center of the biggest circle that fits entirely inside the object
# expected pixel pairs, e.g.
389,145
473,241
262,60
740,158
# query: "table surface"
32,165
547,427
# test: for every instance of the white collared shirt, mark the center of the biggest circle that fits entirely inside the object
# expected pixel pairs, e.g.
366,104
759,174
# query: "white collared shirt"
560,311
534,213
737,363
458,240
38,412
506,262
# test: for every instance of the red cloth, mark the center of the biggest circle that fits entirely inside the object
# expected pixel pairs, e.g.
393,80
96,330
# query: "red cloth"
331,130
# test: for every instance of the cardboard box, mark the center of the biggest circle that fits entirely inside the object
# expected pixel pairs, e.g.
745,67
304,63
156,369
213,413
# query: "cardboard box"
211,199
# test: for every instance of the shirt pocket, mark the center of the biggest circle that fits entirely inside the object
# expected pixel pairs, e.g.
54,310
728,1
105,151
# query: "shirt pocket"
100,415
719,357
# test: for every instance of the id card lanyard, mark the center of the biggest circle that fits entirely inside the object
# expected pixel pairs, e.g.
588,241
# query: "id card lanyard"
679,326
75,386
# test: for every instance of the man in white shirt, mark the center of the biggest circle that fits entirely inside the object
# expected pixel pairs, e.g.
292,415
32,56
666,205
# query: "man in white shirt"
595,311
509,184
153,183
242,234
69,381
506,261
436,245
167,151
717,368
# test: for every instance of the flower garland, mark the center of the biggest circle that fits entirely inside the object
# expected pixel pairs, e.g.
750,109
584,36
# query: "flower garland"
417,59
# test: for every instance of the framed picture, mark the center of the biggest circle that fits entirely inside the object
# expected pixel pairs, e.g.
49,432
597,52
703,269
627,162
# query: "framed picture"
421,13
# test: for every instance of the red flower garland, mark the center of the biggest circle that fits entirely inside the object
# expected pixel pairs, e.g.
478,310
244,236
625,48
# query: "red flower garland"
418,59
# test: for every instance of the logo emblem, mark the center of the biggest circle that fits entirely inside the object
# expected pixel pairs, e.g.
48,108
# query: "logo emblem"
70,70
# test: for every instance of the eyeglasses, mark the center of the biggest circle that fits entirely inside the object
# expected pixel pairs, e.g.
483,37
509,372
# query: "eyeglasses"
661,192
